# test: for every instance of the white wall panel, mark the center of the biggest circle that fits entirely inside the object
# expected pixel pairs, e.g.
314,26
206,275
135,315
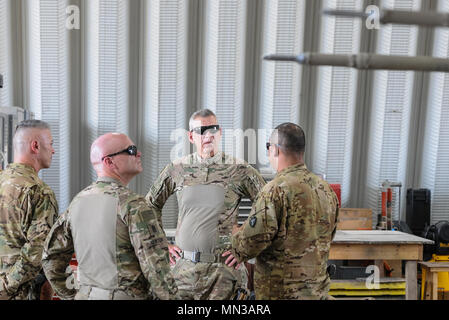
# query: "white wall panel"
391,107
435,169
107,106
49,86
165,82
335,108
280,88
6,53
224,64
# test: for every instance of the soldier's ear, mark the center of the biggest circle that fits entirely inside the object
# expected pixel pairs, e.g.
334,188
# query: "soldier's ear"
108,162
35,146
276,151
190,135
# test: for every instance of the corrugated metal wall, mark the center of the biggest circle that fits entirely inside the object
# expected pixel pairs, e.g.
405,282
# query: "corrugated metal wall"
143,66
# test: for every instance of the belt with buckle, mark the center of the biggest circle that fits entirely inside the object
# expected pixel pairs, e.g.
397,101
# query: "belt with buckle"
197,257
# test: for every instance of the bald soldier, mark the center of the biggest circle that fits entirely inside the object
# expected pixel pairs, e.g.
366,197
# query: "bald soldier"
209,186
28,209
122,252
291,225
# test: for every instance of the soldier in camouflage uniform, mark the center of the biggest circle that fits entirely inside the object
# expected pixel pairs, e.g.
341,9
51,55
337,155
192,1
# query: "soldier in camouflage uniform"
290,227
28,209
209,186
122,252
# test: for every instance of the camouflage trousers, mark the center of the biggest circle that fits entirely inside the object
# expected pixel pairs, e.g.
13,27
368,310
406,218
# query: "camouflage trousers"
25,293
291,289
208,281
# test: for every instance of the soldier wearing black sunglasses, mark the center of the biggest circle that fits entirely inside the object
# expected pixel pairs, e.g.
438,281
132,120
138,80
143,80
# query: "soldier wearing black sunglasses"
209,186
131,150
291,225
121,249
206,129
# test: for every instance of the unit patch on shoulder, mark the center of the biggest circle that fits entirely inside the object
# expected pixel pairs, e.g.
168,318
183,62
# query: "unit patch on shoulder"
252,222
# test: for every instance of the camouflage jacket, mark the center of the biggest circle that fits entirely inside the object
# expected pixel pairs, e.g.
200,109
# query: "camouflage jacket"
118,244
28,209
199,184
290,230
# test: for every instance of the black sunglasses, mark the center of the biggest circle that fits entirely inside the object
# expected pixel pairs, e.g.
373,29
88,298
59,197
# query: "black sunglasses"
203,130
131,150
269,144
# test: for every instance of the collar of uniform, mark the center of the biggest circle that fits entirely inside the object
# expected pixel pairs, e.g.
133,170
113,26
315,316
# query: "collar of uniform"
294,168
26,168
109,180
218,158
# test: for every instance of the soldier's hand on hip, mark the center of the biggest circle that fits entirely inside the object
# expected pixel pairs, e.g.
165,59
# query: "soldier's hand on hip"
231,260
175,253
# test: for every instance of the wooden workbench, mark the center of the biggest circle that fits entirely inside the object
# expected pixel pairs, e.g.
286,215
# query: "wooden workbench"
382,245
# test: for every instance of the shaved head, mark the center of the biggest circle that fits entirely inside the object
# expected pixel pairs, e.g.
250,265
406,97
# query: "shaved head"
107,144
33,144
291,137
286,147
26,132
109,159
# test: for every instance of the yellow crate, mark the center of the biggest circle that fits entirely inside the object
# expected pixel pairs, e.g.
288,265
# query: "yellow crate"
359,288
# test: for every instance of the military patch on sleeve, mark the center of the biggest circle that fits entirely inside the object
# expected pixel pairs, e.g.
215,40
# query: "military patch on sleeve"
252,222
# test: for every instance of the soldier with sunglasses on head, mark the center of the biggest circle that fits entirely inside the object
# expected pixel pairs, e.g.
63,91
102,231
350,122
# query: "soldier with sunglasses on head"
209,186
121,250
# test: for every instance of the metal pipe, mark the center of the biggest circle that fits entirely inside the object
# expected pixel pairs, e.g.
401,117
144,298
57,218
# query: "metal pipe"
429,19
367,61
346,13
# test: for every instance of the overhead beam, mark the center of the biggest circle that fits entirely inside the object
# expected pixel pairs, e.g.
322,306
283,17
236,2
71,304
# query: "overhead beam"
367,61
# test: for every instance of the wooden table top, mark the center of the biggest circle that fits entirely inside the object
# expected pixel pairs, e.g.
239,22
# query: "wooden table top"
364,237
435,264
377,237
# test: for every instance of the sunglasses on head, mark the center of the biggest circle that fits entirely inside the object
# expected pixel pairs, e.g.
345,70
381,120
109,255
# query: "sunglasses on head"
203,130
131,150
